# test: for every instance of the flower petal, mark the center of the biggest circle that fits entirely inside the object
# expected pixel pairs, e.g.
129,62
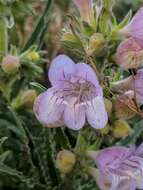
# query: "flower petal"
87,73
61,68
126,183
103,181
139,150
48,108
136,25
137,84
134,169
129,54
112,157
74,116
96,113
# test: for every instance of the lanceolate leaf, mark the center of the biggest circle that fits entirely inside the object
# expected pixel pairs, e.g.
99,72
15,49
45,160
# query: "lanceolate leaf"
41,28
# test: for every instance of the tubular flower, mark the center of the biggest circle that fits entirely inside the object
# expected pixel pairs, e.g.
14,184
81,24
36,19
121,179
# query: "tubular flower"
120,168
75,95
133,83
135,27
129,54
85,8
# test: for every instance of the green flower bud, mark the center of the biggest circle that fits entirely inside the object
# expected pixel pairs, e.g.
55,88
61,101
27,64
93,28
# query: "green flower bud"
121,129
24,100
108,105
65,161
28,98
33,56
105,130
97,45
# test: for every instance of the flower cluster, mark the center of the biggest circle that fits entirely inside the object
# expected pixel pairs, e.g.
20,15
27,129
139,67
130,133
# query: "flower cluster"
76,96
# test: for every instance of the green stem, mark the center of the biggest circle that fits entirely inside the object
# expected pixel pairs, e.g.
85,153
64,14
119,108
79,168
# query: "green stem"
3,38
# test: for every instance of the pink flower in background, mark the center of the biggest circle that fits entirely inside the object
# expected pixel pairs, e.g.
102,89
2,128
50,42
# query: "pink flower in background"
85,8
133,83
135,27
75,96
120,168
129,54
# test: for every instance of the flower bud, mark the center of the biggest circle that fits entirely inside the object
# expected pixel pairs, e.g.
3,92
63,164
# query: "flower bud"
121,129
33,56
65,161
122,104
24,100
28,98
108,105
105,130
10,64
85,8
97,44
129,54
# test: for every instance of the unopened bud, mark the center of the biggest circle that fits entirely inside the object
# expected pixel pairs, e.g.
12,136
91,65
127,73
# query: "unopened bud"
108,105
105,130
33,56
10,64
28,98
121,129
97,44
65,161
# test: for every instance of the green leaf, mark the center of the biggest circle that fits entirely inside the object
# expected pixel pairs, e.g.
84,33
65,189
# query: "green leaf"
40,87
13,176
126,20
41,28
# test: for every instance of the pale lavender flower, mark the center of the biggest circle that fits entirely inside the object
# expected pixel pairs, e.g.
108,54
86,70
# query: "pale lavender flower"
129,54
135,27
75,95
133,83
85,8
119,168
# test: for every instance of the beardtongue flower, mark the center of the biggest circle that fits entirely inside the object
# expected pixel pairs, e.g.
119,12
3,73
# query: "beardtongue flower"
75,95
129,54
133,83
135,27
85,8
119,168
